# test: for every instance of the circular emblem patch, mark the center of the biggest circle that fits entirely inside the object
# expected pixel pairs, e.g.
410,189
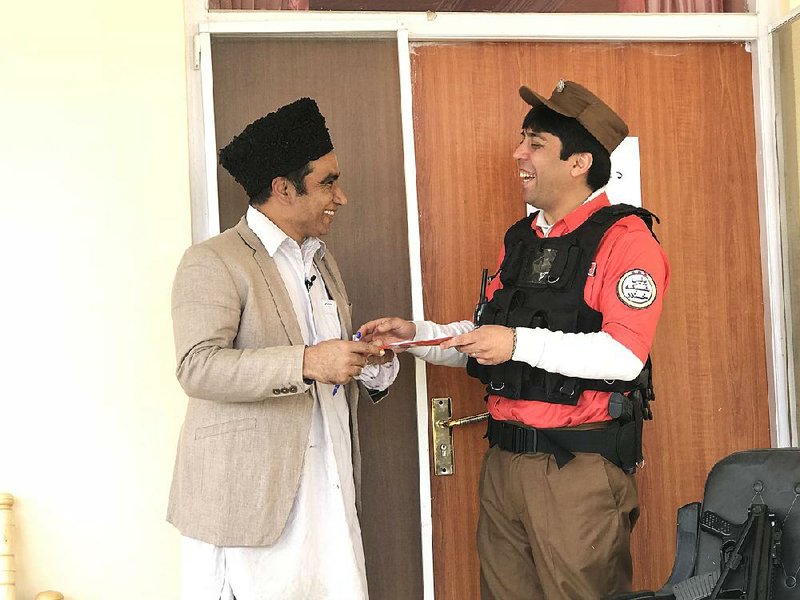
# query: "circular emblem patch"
636,289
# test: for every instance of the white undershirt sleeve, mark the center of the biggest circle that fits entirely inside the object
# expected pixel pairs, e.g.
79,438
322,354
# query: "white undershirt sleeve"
585,355
380,377
428,330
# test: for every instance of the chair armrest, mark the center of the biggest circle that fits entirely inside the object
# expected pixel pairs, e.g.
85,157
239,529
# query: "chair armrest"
687,532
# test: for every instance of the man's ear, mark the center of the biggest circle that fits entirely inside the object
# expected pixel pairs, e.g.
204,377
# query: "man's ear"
581,163
280,188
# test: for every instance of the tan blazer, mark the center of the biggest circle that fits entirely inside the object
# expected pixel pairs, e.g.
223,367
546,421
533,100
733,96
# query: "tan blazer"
240,358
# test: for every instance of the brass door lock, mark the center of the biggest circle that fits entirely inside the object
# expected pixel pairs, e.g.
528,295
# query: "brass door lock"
442,424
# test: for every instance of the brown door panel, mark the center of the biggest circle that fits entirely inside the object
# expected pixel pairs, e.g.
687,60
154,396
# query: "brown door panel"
357,87
691,106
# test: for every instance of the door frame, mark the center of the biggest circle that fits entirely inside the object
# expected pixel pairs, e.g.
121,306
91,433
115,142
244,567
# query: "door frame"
407,28
793,406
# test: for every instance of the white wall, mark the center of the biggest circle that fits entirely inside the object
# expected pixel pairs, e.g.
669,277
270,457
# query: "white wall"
94,208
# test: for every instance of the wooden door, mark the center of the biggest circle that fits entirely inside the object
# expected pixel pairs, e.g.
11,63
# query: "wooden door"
357,87
691,106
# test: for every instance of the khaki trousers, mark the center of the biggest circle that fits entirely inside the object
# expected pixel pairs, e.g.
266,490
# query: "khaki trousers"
546,533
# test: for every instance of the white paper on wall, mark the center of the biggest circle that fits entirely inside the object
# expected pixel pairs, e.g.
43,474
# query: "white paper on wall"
625,185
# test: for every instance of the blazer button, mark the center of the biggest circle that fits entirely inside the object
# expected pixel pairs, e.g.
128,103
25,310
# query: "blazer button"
293,389
276,391
284,390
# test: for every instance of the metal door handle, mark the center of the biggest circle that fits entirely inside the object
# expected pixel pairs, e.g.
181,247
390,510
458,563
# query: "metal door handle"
442,424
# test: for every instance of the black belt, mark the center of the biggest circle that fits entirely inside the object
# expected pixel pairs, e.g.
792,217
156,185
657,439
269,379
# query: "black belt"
561,443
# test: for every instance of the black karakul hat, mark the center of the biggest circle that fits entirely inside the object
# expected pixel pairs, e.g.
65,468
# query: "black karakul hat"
277,144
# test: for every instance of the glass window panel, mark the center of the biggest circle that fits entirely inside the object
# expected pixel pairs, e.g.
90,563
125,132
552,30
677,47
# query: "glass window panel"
787,73
515,6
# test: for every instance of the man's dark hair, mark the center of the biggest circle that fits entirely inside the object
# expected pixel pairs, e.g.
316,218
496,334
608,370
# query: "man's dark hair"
574,139
296,178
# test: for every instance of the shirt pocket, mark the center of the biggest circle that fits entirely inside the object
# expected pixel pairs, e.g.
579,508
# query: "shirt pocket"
329,307
327,320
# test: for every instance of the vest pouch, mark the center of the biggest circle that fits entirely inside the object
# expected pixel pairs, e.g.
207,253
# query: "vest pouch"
493,376
477,370
520,374
568,322
533,382
564,268
562,321
491,315
523,316
509,270
562,390
506,379
504,302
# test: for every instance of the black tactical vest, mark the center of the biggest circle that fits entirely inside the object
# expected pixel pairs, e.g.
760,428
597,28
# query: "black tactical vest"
543,286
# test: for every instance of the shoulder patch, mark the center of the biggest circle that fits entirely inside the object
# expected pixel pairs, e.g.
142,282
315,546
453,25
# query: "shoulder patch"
636,289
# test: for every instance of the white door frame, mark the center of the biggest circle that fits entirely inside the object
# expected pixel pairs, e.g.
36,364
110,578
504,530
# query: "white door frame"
753,29
774,23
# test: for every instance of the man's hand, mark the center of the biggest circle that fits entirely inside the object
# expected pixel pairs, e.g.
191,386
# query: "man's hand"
488,344
388,330
385,356
338,361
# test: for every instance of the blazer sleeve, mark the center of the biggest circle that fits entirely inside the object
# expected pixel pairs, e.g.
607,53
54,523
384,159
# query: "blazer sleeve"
206,310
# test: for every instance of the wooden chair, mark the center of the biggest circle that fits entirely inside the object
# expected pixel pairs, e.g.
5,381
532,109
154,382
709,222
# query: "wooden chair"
8,569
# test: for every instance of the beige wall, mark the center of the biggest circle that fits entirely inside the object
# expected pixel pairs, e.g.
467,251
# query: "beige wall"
95,215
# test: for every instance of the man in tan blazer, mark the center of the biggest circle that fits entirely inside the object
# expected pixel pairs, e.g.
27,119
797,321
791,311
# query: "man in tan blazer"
267,471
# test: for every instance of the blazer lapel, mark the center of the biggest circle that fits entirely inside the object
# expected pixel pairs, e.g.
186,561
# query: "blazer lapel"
274,282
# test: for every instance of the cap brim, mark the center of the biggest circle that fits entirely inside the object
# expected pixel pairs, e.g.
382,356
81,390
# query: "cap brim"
531,97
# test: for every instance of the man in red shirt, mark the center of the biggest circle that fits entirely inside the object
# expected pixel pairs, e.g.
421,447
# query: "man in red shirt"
563,345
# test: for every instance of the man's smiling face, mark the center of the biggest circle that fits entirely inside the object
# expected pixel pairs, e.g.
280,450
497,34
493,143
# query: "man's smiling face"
312,213
543,174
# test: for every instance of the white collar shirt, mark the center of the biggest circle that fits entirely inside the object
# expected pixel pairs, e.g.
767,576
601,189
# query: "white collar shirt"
542,223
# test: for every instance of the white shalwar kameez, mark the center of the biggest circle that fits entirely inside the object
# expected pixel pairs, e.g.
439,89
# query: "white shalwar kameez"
319,555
